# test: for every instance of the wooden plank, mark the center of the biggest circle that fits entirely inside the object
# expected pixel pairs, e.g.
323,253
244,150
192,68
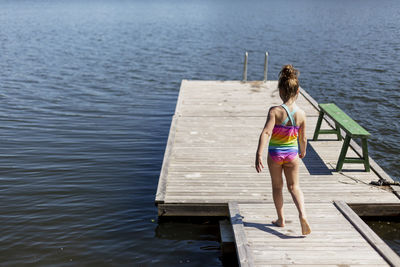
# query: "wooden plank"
226,231
180,97
201,199
322,265
376,209
227,237
332,256
311,261
193,209
387,253
244,253
162,181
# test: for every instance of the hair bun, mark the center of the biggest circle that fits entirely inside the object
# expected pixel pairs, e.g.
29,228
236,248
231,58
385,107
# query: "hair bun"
288,82
289,72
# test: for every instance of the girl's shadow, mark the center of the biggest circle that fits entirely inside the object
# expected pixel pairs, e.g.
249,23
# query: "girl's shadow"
267,228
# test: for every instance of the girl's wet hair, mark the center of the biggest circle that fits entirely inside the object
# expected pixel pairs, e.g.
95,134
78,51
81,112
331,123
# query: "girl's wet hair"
288,83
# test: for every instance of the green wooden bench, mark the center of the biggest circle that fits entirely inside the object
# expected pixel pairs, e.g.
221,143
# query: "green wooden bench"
352,129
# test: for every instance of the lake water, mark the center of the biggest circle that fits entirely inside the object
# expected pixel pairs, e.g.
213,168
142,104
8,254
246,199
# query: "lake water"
88,88
388,228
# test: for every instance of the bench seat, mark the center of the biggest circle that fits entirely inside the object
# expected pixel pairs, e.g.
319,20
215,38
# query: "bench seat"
352,130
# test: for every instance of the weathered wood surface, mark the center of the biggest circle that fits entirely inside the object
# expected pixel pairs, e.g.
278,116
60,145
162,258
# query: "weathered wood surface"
333,240
244,253
213,139
209,161
226,232
227,237
369,234
376,209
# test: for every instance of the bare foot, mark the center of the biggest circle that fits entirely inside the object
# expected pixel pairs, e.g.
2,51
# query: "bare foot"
305,227
279,222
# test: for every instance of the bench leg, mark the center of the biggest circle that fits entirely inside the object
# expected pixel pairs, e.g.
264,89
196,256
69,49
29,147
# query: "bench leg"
343,153
318,126
339,136
365,154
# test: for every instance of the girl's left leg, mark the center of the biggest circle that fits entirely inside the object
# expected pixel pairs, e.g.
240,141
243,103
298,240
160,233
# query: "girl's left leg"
291,170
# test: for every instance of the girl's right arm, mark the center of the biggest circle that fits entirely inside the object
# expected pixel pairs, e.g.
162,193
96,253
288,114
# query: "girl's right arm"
264,136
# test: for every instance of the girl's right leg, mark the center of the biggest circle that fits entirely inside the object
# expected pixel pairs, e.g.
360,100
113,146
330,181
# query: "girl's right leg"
275,171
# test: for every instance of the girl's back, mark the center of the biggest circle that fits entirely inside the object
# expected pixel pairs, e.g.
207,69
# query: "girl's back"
281,115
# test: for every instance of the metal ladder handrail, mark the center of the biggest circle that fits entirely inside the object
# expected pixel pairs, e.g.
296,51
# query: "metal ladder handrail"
246,57
265,66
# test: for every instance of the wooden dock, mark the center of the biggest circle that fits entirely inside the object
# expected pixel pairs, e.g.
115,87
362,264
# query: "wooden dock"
208,170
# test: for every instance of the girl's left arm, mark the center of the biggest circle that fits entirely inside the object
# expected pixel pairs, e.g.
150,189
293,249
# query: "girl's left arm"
303,138
264,136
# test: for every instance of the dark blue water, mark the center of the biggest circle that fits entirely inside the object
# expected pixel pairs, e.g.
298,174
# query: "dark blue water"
387,228
87,90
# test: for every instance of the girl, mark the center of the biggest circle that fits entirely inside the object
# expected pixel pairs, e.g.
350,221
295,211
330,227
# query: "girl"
285,124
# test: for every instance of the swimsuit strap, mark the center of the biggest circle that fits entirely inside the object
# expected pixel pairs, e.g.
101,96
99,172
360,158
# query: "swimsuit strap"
290,115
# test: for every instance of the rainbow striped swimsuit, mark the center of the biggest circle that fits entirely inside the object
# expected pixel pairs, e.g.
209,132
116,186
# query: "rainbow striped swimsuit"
283,146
